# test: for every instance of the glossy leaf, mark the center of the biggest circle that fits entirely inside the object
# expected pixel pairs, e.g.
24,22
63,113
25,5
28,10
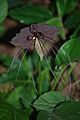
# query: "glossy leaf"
65,111
3,9
31,14
68,110
68,52
49,100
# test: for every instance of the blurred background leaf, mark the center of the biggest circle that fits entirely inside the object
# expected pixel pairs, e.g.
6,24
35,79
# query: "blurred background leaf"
73,20
3,9
29,14
67,6
8,112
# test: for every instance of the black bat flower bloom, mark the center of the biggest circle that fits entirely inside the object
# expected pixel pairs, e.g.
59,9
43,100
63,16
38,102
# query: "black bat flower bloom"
38,36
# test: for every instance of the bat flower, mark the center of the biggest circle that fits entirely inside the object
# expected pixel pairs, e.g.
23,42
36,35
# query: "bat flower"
38,36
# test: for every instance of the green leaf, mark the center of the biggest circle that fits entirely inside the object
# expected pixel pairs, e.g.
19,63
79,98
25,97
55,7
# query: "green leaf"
68,52
3,9
61,20
73,20
30,14
43,115
25,94
54,21
8,112
49,100
65,111
67,6
68,111
43,80
14,97
28,95
76,33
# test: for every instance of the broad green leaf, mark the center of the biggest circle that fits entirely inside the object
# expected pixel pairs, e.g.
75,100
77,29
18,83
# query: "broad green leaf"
14,97
49,100
28,95
65,111
54,21
24,93
8,112
73,20
29,14
67,6
43,80
68,52
3,9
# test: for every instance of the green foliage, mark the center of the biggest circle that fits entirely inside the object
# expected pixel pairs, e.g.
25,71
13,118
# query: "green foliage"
67,6
73,20
55,21
69,52
31,14
19,95
3,10
65,111
3,14
49,100
8,112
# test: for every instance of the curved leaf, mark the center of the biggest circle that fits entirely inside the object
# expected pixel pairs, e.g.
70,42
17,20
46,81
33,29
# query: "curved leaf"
66,111
31,14
49,100
67,6
69,52
3,9
54,21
